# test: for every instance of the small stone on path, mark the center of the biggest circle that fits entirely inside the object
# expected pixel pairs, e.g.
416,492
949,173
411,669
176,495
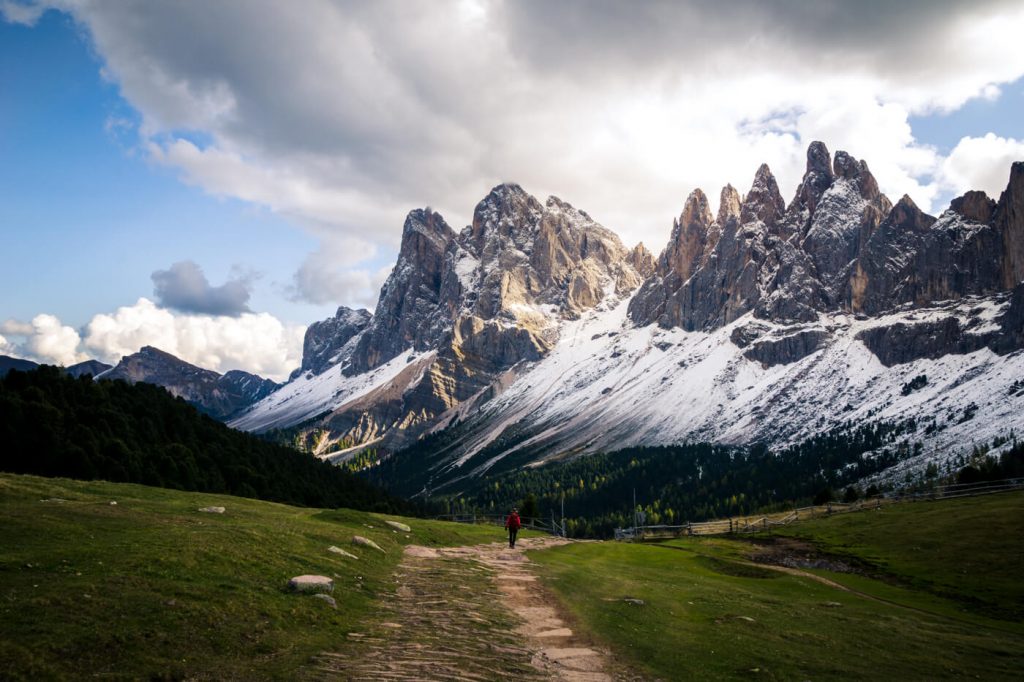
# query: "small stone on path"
342,552
365,542
557,632
213,510
311,583
399,526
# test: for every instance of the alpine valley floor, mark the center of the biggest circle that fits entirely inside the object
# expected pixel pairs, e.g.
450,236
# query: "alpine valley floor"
161,591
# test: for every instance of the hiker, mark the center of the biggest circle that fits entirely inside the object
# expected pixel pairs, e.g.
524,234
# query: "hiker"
513,524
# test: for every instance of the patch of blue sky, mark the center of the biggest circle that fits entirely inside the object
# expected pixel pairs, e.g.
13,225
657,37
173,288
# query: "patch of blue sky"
1003,116
85,218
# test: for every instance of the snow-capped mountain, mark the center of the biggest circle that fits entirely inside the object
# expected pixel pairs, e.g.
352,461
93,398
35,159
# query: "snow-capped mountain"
535,332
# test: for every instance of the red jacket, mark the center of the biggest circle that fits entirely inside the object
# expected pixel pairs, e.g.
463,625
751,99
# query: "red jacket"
513,521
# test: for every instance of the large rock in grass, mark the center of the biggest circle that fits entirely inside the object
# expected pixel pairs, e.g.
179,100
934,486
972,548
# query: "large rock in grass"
338,550
365,542
311,583
399,526
213,510
330,600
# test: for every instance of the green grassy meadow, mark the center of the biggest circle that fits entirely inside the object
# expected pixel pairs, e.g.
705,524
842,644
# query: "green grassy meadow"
151,588
708,613
968,550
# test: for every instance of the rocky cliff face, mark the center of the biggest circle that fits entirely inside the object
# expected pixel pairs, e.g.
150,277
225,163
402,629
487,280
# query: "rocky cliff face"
220,396
840,246
461,309
534,329
332,341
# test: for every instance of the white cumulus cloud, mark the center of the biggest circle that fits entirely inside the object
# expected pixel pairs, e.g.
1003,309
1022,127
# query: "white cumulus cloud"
981,163
343,115
254,342
45,339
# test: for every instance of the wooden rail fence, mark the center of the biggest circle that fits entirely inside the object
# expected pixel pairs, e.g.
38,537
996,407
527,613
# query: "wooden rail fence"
756,524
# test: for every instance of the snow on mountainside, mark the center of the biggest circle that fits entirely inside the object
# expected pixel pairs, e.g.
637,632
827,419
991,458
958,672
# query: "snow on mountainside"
534,333
315,394
611,384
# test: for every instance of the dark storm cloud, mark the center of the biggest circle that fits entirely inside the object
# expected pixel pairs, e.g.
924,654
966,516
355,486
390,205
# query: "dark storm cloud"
185,288
609,37
342,116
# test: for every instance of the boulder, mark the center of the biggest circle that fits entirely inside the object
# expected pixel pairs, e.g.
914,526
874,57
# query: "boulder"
399,526
311,583
213,510
339,550
326,598
365,542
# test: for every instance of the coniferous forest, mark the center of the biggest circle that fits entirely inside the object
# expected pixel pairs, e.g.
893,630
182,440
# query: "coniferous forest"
695,482
55,425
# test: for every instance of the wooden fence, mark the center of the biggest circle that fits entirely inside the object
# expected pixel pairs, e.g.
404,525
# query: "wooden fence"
765,522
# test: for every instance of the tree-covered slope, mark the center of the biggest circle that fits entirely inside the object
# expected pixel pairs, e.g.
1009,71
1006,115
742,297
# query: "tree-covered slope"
55,425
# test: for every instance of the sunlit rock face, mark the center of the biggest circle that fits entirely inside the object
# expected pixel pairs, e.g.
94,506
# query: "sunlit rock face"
535,327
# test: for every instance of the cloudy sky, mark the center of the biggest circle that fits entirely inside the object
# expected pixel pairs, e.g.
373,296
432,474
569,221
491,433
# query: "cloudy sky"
210,177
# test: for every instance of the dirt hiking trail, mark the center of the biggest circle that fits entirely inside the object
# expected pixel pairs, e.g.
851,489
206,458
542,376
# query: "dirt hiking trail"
470,613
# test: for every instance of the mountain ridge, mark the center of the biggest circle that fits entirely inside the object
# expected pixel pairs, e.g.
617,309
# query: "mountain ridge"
470,324
219,395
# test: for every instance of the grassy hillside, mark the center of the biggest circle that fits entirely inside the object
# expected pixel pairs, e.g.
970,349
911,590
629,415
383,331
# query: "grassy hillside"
150,588
968,550
709,612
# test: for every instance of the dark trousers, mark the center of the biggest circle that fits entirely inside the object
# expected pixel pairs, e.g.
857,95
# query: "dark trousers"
512,536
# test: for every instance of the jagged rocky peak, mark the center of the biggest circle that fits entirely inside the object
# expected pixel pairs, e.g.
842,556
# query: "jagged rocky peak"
907,216
857,172
696,210
728,205
330,342
642,260
1009,222
425,238
689,237
404,316
818,177
764,201
507,212
975,206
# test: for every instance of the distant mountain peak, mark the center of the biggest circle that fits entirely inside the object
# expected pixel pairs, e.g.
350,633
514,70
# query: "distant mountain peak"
220,396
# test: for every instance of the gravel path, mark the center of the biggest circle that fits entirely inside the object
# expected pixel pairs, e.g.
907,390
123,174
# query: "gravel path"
470,613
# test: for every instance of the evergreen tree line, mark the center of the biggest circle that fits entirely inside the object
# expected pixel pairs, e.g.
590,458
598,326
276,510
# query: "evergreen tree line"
985,467
692,482
55,425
